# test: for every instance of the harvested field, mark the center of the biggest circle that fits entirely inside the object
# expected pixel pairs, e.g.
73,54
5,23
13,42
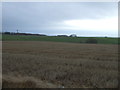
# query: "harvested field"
55,64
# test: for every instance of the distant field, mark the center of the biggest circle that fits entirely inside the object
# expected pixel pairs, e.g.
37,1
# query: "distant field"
55,64
101,40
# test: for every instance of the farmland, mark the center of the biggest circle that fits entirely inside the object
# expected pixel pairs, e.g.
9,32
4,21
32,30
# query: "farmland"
101,40
44,64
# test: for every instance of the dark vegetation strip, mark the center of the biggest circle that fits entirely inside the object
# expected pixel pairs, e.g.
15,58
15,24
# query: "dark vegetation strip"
100,40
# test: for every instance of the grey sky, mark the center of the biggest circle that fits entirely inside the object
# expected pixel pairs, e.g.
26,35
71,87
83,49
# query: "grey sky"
82,18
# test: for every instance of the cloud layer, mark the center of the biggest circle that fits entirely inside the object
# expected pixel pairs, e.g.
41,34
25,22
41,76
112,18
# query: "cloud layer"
61,18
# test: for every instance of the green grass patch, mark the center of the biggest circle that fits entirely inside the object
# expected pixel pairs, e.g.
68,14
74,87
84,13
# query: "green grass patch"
101,40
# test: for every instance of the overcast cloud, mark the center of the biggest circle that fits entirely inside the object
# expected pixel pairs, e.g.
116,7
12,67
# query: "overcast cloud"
83,19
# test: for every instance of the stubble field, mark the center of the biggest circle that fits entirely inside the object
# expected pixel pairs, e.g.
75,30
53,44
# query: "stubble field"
56,65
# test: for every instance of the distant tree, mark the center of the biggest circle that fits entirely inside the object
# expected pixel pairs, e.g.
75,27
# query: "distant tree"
73,35
62,35
41,35
91,40
6,32
105,36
